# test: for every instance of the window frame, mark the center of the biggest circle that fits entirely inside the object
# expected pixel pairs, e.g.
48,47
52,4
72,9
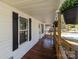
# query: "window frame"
23,30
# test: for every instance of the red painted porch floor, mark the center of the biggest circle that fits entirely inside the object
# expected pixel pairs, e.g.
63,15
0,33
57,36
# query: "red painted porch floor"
44,49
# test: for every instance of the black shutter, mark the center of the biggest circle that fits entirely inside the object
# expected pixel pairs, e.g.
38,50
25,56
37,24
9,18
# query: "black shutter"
30,20
15,31
41,28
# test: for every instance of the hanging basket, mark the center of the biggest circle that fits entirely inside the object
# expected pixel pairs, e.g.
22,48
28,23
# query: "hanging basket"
71,16
55,23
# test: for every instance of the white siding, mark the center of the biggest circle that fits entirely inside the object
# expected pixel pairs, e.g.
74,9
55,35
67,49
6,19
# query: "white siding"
6,33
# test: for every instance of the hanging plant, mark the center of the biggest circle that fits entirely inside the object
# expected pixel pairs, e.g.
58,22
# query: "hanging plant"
68,4
69,9
55,23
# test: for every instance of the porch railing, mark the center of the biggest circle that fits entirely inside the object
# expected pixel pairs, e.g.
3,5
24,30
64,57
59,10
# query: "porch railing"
64,50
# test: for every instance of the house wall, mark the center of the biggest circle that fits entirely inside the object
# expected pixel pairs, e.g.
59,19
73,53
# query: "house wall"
6,33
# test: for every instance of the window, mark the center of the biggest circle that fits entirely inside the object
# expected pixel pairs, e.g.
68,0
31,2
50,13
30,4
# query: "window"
23,29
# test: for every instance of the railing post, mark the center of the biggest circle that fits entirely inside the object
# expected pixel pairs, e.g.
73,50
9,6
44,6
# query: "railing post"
59,26
59,33
54,30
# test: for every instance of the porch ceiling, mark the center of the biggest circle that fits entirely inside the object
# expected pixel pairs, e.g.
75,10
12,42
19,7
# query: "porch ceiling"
43,10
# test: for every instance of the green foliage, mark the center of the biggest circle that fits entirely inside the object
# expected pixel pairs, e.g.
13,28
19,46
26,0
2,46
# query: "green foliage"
68,4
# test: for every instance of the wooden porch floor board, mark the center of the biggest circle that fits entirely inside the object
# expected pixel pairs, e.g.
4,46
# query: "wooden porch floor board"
40,52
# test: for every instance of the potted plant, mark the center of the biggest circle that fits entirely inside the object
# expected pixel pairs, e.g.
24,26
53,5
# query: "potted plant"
69,9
